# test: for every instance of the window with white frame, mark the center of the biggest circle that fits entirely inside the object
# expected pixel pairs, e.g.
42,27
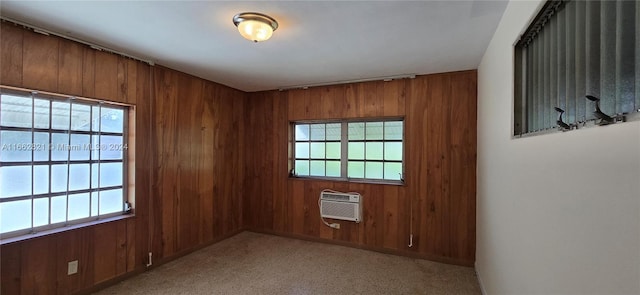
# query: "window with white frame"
62,161
349,150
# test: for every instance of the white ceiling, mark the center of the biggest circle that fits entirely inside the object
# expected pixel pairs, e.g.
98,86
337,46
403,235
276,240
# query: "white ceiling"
317,42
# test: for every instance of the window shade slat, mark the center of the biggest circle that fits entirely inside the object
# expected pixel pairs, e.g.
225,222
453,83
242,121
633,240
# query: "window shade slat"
553,75
538,99
625,60
530,93
608,57
546,95
593,53
562,64
581,45
570,79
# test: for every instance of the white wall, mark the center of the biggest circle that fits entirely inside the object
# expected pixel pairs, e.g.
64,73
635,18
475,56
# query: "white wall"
557,213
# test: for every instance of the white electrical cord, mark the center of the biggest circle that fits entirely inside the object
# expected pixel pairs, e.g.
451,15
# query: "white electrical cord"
331,225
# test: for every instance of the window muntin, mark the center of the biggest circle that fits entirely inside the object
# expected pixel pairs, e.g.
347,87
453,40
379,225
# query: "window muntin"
62,161
349,150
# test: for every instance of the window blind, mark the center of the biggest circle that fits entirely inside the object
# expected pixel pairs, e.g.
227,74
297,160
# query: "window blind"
574,49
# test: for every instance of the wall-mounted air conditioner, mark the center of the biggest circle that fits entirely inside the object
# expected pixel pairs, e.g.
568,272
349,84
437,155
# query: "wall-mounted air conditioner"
343,206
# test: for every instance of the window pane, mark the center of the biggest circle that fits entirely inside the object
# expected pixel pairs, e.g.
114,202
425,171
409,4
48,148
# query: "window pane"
78,206
333,150
393,151
94,203
94,175
317,131
15,181
373,130
79,177
60,115
302,150
15,111
373,170
41,179
80,147
374,151
356,150
317,150
392,171
355,169
58,209
41,147
302,132
95,122
59,148
112,120
111,147
110,174
317,168
16,146
393,130
302,167
111,201
80,117
334,131
40,212
333,168
356,131
41,116
15,215
58,178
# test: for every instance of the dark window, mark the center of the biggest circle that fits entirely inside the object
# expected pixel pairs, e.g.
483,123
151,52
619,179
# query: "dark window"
578,65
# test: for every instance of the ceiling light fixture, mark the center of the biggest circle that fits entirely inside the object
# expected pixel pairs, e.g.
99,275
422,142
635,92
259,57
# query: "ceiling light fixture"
255,26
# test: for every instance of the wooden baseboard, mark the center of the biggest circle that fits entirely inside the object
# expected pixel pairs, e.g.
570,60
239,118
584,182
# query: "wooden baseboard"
156,263
424,256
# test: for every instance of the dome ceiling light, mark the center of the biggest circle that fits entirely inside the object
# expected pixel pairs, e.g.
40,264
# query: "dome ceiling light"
255,26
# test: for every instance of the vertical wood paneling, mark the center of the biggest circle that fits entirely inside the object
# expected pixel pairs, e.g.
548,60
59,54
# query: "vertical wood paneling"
88,72
166,157
11,52
439,112
70,69
105,251
40,62
206,178
38,266
11,269
106,76
74,245
144,165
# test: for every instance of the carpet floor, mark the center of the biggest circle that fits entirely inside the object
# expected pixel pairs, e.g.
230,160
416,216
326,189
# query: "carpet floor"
252,263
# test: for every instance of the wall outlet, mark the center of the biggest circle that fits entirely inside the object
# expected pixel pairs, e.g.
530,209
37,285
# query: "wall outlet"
72,267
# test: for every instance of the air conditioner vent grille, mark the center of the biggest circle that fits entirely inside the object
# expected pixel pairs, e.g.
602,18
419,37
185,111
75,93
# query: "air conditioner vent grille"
343,206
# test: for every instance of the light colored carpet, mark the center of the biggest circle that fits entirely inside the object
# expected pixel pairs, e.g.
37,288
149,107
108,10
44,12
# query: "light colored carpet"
252,263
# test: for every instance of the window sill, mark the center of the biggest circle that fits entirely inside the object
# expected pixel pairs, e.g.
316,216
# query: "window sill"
359,181
63,229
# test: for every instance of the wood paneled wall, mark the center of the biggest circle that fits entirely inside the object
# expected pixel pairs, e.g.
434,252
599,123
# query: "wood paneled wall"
198,190
187,193
440,159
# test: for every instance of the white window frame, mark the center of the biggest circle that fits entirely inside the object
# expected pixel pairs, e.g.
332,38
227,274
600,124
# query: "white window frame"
344,150
126,204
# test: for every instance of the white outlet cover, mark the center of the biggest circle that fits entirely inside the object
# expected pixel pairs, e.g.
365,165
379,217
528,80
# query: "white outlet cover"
72,267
